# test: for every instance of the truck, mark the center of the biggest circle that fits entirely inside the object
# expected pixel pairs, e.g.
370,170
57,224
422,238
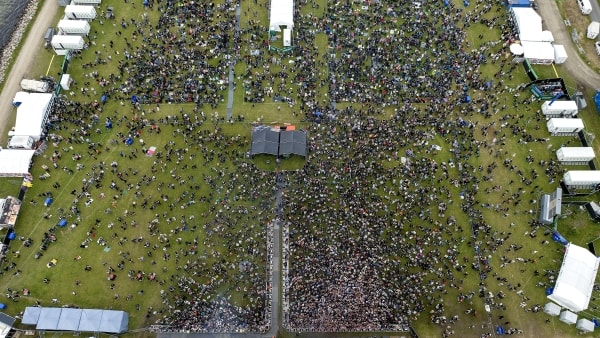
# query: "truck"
35,86
564,126
593,30
585,6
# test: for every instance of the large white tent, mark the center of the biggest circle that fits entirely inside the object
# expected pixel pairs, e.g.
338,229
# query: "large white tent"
78,320
32,115
575,281
281,14
15,162
529,24
538,52
568,317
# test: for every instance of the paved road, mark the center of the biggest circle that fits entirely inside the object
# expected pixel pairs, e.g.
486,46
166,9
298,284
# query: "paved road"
23,63
574,66
595,15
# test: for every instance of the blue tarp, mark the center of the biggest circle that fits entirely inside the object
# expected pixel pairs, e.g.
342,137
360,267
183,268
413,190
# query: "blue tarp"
549,291
597,100
500,330
559,238
12,236
129,141
48,201
62,223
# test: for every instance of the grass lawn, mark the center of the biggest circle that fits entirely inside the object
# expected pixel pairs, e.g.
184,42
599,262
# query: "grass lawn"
187,228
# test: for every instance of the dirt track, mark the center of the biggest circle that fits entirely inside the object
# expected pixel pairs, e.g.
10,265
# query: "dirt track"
23,64
574,66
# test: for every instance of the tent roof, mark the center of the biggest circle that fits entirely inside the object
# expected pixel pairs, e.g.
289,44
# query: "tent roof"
552,309
6,319
281,14
31,315
21,97
90,320
585,325
538,50
292,142
575,281
49,317
529,24
568,317
15,162
69,319
265,141
114,321
31,114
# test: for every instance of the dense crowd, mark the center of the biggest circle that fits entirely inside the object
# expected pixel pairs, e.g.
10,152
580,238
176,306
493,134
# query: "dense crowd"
368,241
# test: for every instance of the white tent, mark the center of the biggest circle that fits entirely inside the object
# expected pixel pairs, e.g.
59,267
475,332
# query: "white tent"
575,281
529,24
15,162
32,115
585,325
20,97
281,14
537,52
552,309
568,317
560,54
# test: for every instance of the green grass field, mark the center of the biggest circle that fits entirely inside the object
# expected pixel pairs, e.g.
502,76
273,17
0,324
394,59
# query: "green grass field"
196,213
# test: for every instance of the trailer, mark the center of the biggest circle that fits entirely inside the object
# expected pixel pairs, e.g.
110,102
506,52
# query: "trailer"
560,54
582,179
585,6
564,126
79,12
575,155
63,43
35,86
73,27
87,2
559,109
593,30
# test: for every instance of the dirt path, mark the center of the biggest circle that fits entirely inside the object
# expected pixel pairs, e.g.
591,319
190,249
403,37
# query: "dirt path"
574,66
23,63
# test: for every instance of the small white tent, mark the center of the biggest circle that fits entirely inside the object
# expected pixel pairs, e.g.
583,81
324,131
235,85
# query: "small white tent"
15,163
575,281
585,325
281,14
552,309
568,317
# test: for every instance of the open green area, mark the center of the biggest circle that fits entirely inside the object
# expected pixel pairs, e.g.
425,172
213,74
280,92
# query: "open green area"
412,207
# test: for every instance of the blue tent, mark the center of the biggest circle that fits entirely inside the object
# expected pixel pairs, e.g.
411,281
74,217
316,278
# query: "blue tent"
500,330
62,223
2,306
129,141
446,3
108,124
559,238
12,236
596,322
48,201
467,99
103,99
134,99
597,100
466,3
549,291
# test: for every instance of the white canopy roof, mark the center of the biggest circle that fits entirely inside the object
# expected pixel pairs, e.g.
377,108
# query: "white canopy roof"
536,50
575,281
529,24
568,317
20,97
552,309
585,325
281,14
15,162
32,114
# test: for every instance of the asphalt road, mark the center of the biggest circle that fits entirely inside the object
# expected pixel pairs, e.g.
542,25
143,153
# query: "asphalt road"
574,66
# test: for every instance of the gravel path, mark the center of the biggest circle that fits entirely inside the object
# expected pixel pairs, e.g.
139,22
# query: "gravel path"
574,66
23,64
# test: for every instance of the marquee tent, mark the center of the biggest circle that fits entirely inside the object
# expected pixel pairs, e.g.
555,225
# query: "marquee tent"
79,320
15,162
281,14
265,141
585,325
537,52
292,142
552,309
32,115
528,23
568,317
6,324
575,281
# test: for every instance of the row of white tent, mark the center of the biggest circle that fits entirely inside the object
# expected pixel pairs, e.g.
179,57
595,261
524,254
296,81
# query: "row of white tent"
569,317
537,44
72,28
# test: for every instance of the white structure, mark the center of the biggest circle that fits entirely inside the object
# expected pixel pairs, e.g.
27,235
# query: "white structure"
538,52
575,281
63,43
79,12
73,27
528,23
560,54
87,2
593,30
281,14
582,179
564,127
15,163
66,81
552,309
597,45
568,317
585,6
287,37
32,115
19,98
585,325
550,206
575,155
35,86
21,142
559,108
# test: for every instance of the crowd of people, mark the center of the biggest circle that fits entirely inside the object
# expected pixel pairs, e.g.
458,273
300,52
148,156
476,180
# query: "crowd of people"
371,236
